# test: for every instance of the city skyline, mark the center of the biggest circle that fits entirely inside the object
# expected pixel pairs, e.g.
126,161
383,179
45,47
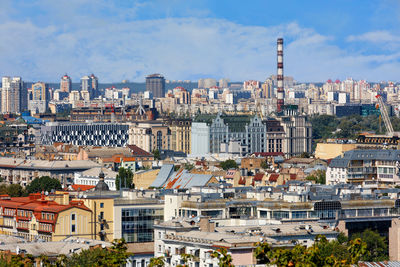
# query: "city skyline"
188,41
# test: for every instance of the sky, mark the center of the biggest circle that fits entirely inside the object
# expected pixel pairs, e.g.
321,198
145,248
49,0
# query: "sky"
187,39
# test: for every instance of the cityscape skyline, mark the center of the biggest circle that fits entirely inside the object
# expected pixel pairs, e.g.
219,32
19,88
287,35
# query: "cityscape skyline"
195,40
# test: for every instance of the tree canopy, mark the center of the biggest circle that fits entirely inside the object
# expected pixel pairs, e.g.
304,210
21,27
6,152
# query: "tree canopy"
44,183
124,178
318,176
321,253
228,164
376,245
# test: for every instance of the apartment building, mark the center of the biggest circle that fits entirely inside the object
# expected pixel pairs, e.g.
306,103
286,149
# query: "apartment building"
362,167
150,135
50,218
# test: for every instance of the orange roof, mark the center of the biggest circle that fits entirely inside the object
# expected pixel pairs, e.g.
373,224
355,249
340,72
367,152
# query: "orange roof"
82,187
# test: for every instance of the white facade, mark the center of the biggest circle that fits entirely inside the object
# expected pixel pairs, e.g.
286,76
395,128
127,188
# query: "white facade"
82,179
336,175
200,138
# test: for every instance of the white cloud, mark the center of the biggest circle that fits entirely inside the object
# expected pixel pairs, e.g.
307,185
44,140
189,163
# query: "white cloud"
179,48
375,37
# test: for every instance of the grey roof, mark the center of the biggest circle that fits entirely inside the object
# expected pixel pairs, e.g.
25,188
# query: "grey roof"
370,154
165,172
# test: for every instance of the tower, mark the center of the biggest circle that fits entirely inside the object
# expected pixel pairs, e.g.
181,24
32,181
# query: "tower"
279,78
65,84
155,83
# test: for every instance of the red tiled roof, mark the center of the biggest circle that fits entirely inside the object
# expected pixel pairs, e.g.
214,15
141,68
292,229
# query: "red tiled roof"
273,177
293,176
82,187
242,181
138,152
258,177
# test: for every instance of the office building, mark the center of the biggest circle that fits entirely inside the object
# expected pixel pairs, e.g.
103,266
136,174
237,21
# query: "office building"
94,86
155,83
65,84
85,134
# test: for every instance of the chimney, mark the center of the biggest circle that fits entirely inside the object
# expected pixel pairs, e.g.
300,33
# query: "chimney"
280,77
206,225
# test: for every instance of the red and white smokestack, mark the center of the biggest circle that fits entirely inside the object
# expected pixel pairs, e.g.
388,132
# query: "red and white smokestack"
279,78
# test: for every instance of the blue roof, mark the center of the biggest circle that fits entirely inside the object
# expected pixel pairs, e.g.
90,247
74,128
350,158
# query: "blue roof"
32,120
163,175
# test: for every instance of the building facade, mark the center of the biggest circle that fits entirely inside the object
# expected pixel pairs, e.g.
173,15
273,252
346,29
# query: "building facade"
155,83
12,95
150,135
85,134
65,84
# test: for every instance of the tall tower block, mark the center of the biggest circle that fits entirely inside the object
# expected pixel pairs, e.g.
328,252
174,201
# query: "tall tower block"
279,77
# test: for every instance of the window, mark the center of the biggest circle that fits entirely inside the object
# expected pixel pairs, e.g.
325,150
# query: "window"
101,205
73,217
102,215
73,228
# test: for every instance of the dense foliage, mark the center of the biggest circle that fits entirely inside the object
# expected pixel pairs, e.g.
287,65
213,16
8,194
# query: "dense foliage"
318,176
224,259
326,126
321,253
228,164
44,183
115,256
13,190
376,245
124,178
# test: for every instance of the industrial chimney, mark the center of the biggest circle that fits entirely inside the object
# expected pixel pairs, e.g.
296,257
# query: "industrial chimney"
279,78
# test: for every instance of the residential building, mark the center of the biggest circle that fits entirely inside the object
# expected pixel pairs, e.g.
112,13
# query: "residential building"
51,218
155,83
13,95
65,84
180,134
23,171
363,167
150,135
86,83
39,98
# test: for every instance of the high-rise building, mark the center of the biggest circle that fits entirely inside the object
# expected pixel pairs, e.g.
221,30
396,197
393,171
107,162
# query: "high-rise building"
94,92
85,83
279,76
38,98
12,98
155,83
65,84
268,89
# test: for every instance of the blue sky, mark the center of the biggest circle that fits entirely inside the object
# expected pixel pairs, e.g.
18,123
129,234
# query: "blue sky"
183,39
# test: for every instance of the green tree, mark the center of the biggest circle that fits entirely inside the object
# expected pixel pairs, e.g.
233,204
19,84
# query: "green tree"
44,183
157,262
124,178
319,176
116,255
264,165
156,154
261,252
321,253
188,166
228,164
15,190
186,258
224,259
305,155
376,245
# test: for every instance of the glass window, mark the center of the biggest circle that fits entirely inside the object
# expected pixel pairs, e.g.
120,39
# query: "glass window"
73,217
73,228
101,205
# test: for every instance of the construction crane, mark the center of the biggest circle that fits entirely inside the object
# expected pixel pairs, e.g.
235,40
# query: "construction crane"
385,116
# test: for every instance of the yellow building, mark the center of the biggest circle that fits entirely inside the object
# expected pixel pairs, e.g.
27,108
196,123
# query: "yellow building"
102,217
181,135
51,218
331,150
143,179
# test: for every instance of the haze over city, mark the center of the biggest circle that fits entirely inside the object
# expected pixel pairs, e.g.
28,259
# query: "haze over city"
188,40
